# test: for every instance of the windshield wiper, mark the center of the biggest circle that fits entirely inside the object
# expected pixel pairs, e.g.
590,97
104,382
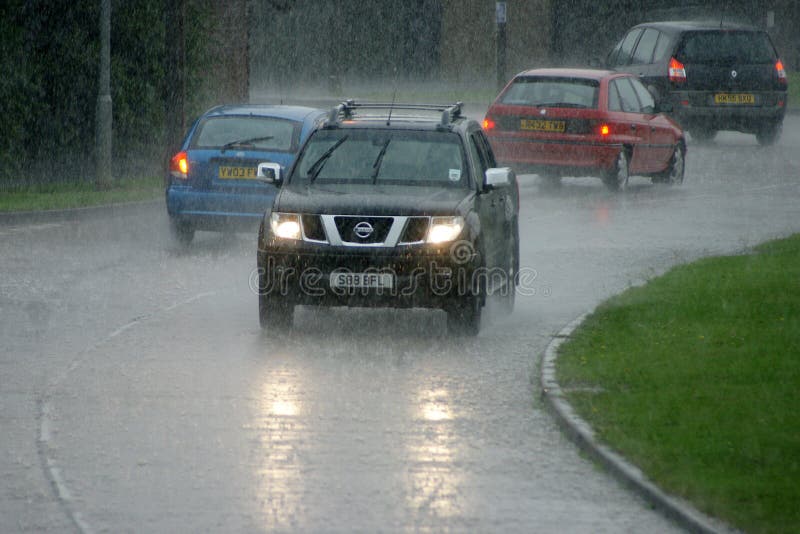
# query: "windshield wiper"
376,167
316,167
250,141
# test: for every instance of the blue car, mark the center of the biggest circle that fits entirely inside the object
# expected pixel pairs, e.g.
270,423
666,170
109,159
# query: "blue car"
212,185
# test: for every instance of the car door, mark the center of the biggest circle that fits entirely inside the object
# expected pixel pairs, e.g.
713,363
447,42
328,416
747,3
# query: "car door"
489,203
631,122
662,138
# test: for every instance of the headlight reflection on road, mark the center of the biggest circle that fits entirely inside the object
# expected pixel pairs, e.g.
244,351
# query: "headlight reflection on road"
433,480
280,432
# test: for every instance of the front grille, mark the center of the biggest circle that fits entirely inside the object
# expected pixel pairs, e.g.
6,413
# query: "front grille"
312,228
354,229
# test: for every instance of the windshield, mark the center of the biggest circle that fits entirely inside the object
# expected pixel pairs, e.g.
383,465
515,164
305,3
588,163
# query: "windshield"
556,92
255,133
726,47
392,157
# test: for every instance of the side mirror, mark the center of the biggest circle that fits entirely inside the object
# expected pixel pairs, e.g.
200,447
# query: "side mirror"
269,173
498,177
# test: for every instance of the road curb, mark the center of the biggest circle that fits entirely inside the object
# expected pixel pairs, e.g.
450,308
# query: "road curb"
126,208
579,431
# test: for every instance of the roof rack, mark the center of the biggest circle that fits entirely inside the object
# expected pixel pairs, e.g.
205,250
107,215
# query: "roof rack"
348,110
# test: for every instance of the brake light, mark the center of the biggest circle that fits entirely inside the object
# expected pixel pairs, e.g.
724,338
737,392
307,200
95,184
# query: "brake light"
604,129
780,71
179,166
677,72
488,124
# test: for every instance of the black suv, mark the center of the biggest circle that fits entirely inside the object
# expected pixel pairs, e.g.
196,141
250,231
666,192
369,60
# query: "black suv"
713,76
393,205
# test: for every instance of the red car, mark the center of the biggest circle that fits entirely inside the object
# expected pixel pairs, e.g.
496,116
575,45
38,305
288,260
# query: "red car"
584,122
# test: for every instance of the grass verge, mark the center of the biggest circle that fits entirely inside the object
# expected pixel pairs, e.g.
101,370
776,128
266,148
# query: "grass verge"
695,377
63,196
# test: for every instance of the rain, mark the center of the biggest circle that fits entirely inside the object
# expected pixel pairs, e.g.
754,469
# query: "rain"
137,390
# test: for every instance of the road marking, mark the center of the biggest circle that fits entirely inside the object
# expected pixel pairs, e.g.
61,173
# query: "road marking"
28,228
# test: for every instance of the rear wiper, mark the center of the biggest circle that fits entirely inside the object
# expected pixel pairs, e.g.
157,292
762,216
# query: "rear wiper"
377,165
240,142
316,167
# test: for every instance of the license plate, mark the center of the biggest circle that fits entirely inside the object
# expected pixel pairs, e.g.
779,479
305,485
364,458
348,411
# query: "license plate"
236,173
539,125
734,98
362,280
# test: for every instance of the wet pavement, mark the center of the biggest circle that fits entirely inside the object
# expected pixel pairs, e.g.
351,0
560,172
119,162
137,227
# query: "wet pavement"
137,392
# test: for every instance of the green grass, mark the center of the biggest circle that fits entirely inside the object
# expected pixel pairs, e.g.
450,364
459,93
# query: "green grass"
698,377
62,196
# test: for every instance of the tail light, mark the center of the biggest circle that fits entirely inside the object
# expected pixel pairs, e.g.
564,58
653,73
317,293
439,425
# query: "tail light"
781,72
677,72
604,129
488,124
179,166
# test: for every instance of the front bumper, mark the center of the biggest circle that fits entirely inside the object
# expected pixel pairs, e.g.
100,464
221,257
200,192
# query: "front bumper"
420,276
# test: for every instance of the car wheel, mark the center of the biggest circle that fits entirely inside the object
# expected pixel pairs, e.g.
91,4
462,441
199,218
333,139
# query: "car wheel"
616,178
768,135
275,312
703,135
182,232
464,316
674,173
508,293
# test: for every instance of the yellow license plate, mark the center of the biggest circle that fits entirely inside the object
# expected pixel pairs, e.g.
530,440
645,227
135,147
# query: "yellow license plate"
734,98
236,173
538,125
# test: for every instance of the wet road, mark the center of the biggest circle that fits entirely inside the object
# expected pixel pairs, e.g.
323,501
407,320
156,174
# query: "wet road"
137,392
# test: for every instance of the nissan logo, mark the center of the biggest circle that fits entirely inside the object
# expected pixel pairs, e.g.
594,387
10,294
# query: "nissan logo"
734,74
363,229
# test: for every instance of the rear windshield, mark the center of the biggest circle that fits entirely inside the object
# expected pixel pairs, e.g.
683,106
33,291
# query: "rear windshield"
247,132
378,156
552,91
726,47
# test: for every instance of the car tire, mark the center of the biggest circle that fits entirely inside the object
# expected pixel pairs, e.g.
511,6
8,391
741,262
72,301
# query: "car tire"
182,232
464,316
676,169
703,135
275,312
616,178
769,135
508,294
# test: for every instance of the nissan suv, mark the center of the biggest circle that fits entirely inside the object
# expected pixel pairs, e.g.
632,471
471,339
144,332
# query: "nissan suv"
394,205
714,76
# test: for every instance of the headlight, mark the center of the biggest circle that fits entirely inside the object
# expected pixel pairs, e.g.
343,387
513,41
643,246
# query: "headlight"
444,229
285,225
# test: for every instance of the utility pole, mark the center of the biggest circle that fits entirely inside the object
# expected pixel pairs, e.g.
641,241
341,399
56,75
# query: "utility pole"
103,115
500,60
175,74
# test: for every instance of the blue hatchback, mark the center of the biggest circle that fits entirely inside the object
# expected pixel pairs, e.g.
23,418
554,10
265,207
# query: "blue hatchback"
211,182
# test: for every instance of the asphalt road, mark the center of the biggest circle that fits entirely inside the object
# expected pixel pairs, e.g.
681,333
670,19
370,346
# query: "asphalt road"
137,393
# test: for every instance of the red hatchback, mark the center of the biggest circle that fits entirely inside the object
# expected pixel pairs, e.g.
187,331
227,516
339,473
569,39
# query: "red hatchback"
582,122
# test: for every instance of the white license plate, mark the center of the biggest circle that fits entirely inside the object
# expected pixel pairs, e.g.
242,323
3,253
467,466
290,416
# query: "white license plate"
362,280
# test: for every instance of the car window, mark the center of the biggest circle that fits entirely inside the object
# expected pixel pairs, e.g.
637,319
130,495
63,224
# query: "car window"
614,103
484,145
627,95
552,91
645,98
626,48
662,47
644,50
259,133
478,155
726,47
382,157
